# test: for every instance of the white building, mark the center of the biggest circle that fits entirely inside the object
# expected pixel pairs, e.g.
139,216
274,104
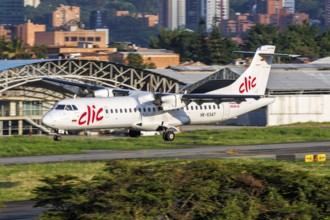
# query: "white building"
214,9
289,4
172,14
33,3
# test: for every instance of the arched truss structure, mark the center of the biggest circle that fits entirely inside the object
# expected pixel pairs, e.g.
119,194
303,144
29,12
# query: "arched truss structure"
93,72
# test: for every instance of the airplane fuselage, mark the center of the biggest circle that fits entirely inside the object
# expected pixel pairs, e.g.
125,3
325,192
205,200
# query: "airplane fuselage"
134,113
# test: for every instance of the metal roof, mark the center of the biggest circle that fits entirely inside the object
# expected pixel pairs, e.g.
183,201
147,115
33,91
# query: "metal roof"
8,64
286,77
187,77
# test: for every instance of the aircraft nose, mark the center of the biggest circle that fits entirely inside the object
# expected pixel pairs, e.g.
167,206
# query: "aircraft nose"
48,120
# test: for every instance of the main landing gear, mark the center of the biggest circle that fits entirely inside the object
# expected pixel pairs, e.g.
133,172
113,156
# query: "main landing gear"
168,135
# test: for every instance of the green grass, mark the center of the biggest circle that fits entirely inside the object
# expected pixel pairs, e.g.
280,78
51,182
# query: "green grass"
18,181
41,145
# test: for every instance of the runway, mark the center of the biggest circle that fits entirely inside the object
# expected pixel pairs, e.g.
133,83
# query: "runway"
247,151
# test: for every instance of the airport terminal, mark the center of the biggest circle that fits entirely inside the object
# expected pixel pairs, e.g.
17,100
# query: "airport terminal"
302,90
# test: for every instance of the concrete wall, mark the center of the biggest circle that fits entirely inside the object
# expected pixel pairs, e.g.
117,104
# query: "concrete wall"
290,109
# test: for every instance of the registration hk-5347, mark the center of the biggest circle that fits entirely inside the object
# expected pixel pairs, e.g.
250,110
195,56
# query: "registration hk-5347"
208,114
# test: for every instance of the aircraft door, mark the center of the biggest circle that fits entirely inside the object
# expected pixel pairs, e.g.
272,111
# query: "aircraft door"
225,107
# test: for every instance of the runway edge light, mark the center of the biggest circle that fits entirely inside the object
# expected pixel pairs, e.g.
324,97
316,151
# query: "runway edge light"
315,158
320,157
309,158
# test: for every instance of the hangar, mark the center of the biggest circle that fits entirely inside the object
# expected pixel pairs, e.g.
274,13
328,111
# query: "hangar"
25,97
302,90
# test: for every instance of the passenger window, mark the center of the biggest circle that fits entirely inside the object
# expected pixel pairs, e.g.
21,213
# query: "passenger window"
116,110
210,107
205,107
149,110
154,109
144,110
125,110
130,110
121,111
111,111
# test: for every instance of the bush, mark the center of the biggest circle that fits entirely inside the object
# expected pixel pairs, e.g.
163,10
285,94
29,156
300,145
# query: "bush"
188,189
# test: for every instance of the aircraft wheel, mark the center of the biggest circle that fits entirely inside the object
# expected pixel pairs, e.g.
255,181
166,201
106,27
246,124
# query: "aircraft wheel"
57,138
169,136
134,133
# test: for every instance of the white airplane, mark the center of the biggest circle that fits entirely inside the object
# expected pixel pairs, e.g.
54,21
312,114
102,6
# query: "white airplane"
146,111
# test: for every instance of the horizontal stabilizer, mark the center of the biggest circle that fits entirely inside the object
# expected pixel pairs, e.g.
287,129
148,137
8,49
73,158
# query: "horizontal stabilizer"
269,54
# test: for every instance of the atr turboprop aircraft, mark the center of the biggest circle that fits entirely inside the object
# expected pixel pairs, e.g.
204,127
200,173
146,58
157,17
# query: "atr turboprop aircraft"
164,112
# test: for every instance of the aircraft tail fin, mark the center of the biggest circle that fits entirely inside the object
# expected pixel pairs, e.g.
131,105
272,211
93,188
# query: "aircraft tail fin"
254,80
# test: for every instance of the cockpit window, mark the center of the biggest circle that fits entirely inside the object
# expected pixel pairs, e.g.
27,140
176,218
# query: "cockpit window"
60,107
74,107
68,108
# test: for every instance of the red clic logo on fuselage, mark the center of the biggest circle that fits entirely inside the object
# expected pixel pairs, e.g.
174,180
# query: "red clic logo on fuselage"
90,116
247,85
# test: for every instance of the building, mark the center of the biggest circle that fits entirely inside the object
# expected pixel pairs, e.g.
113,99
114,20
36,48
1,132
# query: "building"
65,15
6,33
237,27
26,32
11,12
289,4
150,20
98,19
269,11
288,18
172,14
33,3
72,38
327,13
82,52
214,12
161,58
193,14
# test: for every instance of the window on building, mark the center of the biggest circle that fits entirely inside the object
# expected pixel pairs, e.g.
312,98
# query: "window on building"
98,39
74,39
90,38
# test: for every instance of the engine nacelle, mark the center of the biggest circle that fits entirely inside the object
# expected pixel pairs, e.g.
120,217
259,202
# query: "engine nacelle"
103,93
172,101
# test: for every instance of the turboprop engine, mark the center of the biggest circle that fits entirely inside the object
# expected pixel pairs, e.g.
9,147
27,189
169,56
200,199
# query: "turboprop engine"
169,102
103,93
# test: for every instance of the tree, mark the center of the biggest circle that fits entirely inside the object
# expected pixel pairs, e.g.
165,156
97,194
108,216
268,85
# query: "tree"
261,34
136,60
300,39
324,44
15,49
209,48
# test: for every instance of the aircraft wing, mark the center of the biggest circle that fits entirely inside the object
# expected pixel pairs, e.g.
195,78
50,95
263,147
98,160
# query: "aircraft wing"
99,91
